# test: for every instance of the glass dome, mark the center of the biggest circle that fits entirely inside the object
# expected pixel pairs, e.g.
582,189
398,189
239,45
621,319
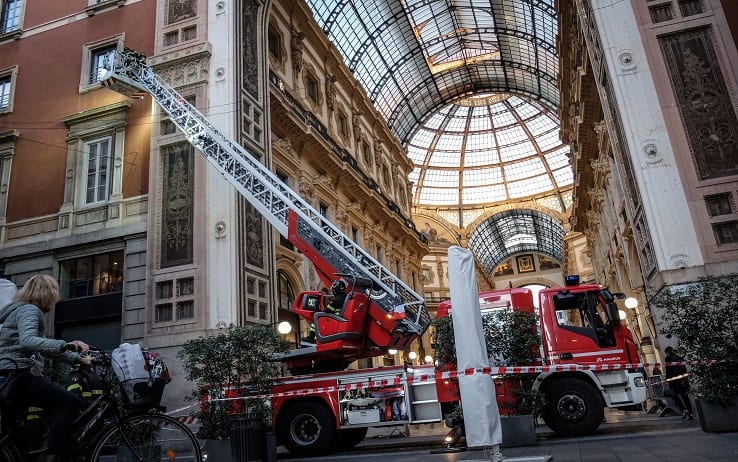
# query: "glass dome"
488,149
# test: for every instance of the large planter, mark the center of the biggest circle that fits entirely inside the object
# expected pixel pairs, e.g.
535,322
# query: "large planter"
219,450
247,437
518,430
123,454
716,418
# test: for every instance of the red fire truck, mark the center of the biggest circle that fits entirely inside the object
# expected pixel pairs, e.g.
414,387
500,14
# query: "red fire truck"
579,325
324,410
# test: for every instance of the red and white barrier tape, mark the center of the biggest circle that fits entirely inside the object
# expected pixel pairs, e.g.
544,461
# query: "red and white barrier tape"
444,375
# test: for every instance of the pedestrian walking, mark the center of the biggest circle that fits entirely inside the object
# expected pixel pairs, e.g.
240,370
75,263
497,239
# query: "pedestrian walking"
677,378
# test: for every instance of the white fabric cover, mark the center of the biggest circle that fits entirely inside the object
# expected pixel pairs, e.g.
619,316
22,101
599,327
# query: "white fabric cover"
129,363
481,415
7,292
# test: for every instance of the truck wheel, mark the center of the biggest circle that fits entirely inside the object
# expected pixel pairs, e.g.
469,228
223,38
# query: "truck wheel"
350,437
307,429
573,408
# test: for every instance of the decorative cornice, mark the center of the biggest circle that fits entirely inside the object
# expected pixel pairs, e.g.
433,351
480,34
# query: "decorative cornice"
96,113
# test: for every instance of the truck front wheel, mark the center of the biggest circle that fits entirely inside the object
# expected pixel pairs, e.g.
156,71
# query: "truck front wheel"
306,429
573,408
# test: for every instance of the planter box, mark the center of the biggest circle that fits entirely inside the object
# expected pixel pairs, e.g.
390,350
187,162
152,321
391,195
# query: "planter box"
218,450
715,418
518,430
124,454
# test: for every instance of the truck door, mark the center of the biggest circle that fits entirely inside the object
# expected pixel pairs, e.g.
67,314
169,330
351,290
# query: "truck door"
580,331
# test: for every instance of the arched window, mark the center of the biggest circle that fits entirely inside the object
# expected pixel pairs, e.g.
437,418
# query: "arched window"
286,291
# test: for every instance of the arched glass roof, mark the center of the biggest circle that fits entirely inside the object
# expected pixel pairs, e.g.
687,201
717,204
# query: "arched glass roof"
515,231
486,149
414,57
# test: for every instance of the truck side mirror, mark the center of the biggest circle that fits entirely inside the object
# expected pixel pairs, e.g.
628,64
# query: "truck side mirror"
613,312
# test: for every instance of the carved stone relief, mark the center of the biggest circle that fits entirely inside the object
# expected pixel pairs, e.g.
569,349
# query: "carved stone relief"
250,67
179,10
177,203
254,236
703,100
186,73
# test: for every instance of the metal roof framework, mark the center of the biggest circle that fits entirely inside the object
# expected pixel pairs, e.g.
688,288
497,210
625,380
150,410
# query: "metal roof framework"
516,231
415,56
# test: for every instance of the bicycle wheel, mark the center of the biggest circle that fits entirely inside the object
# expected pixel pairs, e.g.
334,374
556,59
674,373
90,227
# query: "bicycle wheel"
8,451
147,438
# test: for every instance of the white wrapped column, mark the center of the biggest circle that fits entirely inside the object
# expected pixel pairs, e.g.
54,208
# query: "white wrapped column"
481,414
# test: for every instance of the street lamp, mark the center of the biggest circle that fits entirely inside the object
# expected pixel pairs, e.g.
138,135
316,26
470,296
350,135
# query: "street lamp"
631,302
412,356
428,359
284,328
392,351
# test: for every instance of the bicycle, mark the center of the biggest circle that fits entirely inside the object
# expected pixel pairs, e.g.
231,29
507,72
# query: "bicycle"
115,429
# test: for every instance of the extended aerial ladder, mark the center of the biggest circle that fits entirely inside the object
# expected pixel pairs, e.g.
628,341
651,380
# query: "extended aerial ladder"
395,314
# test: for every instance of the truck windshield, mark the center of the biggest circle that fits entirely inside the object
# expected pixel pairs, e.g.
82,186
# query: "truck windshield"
584,313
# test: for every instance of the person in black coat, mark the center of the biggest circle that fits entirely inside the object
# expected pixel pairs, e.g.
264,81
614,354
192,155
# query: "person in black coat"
676,377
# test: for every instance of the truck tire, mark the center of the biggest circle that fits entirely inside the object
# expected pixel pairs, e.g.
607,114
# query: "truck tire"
573,408
350,437
306,429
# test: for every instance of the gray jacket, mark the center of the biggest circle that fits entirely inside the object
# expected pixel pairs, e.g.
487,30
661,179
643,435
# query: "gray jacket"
21,339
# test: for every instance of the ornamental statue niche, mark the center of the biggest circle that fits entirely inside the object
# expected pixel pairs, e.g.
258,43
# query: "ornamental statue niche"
330,91
356,121
297,37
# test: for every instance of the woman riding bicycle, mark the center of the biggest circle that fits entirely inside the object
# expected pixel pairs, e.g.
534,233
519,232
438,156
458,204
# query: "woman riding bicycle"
22,342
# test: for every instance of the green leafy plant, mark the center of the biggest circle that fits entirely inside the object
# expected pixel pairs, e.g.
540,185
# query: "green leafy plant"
235,363
443,343
703,317
511,338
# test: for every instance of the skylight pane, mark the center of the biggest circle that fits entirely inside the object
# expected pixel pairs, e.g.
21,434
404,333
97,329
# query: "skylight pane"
484,195
441,179
563,176
438,196
558,159
450,142
524,169
480,157
515,152
480,177
530,186
548,140
416,154
502,119
445,159
511,135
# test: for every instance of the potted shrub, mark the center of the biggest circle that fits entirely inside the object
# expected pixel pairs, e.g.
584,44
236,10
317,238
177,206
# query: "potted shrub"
703,317
511,338
237,362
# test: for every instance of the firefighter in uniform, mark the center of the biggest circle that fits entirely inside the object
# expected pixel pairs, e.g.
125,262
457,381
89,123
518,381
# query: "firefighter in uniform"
333,306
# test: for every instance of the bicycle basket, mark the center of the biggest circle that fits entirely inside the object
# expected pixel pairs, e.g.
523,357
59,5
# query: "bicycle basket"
142,392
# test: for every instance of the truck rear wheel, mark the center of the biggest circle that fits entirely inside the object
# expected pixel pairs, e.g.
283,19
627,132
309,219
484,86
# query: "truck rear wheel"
307,429
573,408
350,437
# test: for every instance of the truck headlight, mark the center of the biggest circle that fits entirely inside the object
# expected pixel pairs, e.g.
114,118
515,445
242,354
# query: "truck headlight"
639,382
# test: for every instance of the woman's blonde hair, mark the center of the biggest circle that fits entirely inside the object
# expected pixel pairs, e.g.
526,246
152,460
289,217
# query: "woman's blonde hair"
41,290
